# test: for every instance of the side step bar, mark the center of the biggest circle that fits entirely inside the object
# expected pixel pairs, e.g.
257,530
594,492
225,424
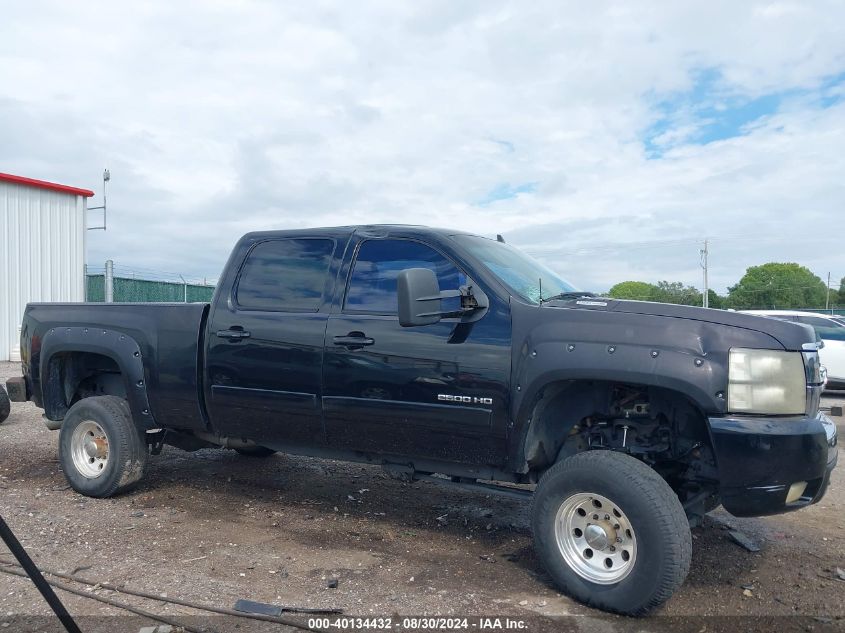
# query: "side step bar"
405,473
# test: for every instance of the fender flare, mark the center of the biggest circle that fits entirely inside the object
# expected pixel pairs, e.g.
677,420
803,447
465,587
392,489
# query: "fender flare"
118,346
697,376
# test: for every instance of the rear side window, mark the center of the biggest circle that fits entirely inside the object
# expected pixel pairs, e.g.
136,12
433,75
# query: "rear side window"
372,287
284,275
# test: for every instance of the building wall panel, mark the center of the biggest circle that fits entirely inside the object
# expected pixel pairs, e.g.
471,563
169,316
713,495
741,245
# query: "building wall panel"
42,252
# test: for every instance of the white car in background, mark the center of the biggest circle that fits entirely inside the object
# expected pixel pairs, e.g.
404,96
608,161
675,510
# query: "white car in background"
830,329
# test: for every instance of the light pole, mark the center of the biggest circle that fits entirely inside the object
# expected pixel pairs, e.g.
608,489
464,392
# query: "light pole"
106,178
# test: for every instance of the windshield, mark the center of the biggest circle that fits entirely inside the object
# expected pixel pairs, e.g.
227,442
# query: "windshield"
520,273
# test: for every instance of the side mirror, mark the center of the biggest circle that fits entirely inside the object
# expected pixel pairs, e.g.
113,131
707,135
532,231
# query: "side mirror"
419,297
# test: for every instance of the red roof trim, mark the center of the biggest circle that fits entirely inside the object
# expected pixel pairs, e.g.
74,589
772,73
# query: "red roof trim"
43,184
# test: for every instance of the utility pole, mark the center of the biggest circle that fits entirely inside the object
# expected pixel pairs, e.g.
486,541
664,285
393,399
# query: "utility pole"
705,298
827,296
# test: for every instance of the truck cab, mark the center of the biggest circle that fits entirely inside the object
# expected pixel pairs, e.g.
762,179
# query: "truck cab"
304,345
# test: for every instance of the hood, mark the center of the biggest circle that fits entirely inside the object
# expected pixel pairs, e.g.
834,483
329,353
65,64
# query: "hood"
792,336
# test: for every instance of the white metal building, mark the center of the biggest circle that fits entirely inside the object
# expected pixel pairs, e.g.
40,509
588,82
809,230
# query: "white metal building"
42,249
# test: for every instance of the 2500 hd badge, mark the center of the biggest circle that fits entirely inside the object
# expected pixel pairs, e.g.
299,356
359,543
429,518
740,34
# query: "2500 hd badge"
465,399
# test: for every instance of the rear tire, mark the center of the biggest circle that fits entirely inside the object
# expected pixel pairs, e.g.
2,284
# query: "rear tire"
5,405
611,532
101,451
255,451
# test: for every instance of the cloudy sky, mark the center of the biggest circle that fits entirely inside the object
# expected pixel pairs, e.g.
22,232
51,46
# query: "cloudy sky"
607,139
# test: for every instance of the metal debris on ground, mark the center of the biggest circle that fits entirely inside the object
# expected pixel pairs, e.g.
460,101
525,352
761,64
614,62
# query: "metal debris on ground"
249,606
743,540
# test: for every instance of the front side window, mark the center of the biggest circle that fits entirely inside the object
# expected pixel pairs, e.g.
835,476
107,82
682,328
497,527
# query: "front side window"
372,286
285,275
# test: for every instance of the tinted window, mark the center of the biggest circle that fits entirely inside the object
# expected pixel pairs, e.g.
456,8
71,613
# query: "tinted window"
285,275
372,287
827,329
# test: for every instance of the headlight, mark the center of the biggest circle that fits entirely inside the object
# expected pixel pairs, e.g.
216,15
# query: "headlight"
766,381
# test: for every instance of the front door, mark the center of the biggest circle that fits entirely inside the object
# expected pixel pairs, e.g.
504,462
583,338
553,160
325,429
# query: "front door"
437,391
265,344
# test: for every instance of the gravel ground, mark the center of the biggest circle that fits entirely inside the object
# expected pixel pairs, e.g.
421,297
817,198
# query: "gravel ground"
213,527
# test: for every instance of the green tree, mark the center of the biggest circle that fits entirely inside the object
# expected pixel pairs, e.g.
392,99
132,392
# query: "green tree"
664,291
637,290
714,299
841,299
777,286
676,292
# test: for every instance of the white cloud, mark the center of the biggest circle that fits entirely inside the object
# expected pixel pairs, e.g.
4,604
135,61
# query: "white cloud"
218,118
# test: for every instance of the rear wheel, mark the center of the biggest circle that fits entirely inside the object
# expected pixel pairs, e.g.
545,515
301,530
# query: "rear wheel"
611,532
255,451
5,405
101,451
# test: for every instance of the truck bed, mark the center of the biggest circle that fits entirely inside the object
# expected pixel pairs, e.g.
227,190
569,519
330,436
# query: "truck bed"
167,336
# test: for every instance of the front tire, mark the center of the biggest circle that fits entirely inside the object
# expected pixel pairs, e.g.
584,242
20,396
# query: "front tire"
5,405
101,451
611,532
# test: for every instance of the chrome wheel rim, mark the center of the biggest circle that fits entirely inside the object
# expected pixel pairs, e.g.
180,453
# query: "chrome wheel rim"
595,538
89,447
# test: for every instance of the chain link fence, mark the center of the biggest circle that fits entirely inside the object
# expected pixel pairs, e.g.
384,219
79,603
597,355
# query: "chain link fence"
143,286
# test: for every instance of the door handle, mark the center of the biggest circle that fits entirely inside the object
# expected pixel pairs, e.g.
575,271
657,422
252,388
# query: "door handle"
354,339
233,334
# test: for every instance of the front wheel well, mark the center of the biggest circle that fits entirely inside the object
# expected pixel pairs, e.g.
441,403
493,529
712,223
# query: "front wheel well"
661,427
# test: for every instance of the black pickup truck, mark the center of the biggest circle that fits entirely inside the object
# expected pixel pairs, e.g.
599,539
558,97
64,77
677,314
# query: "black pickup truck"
449,356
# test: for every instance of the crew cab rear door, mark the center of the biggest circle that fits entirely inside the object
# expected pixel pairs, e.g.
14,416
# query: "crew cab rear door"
438,391
265,341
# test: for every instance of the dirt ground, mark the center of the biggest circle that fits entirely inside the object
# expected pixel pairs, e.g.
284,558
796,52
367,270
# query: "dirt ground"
213,527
